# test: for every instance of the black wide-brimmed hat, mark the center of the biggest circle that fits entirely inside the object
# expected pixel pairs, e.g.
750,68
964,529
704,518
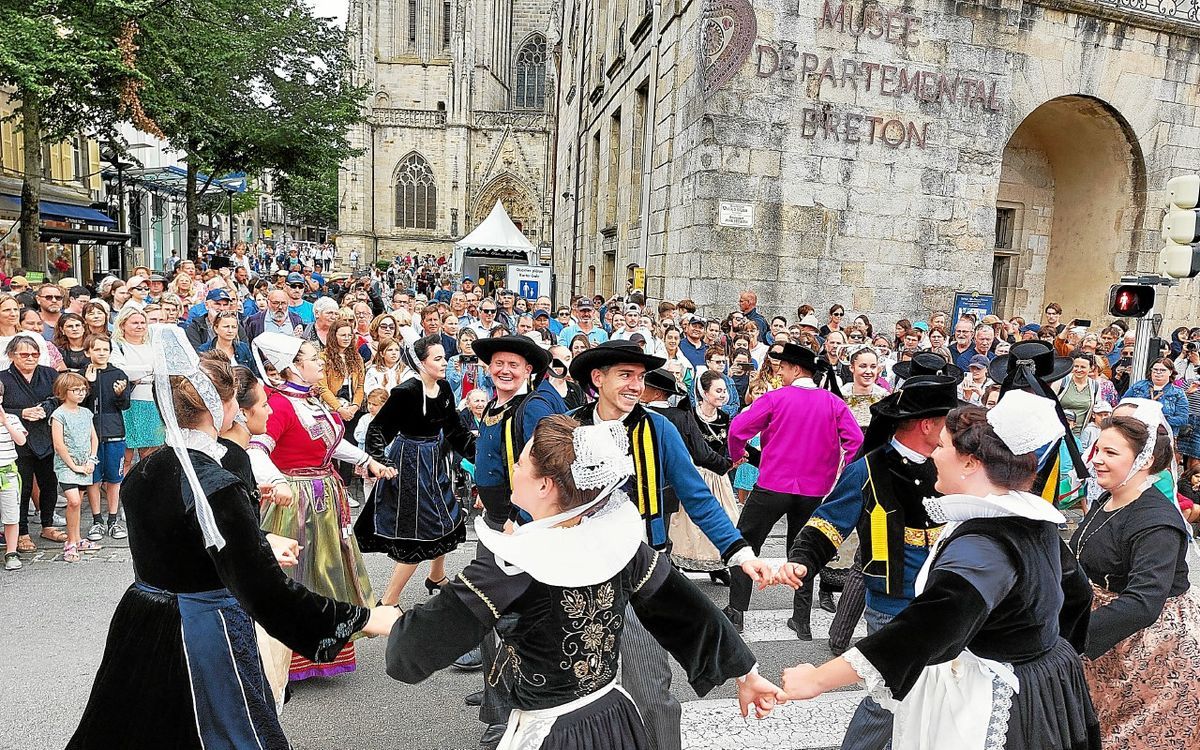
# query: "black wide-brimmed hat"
796,355
611,353
1026,359
920,397
523,346
664,380
927,363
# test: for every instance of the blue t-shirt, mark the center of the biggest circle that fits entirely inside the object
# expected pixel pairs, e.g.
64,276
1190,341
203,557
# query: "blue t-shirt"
305,311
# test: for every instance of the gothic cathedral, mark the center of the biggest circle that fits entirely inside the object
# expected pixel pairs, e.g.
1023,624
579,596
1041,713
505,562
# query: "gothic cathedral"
460,114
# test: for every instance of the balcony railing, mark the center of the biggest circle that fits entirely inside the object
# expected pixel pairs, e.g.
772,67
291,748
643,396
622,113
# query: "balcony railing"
515,120
419,118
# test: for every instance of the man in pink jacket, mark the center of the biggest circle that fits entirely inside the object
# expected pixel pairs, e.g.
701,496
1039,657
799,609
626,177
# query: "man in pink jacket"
808,435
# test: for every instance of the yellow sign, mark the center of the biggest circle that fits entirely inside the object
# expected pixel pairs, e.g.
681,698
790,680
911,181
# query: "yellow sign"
266,233
639,278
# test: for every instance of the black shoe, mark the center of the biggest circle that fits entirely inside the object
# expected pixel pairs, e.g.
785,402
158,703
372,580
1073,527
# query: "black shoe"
435,587
492,736
802,630
736,616
469,662
719,577
825,601
837,650
474,699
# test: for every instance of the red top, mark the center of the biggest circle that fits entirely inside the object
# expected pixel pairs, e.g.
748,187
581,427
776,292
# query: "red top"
292,446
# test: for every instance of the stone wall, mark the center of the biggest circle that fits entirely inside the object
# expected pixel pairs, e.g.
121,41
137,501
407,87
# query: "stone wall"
872,151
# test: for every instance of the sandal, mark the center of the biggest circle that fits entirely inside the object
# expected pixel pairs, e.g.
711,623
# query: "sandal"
70,553
87,545
26,545
52,534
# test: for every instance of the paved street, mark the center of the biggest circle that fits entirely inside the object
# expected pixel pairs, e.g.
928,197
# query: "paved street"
56,617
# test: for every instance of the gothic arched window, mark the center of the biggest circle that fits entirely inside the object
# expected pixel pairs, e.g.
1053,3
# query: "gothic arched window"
530,84
416,194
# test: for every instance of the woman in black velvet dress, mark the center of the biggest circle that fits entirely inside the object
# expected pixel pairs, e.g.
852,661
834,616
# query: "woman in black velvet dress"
986,655
569,575
181,668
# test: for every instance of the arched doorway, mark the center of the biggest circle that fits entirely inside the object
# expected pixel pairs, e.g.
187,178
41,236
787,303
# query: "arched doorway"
1071,197
517,202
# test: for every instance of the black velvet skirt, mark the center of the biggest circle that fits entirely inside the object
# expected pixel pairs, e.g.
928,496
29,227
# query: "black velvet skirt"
1053,710
611,723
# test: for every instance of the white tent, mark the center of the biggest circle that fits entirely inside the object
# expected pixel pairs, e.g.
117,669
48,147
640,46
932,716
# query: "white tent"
495,239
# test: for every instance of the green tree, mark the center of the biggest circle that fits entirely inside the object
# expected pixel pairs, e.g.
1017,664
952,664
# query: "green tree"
248,85
311,198
66,66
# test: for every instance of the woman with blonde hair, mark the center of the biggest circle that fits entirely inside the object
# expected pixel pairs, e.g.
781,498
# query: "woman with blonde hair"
383,328
133,352
386,368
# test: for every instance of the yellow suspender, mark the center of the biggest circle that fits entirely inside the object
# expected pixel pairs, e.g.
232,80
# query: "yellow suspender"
879,536
508,446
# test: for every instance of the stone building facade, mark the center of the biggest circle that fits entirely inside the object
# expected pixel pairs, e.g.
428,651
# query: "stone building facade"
459,117
882,156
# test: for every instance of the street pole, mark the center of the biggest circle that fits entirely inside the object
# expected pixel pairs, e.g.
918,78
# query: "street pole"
231,221
1141,346
126,246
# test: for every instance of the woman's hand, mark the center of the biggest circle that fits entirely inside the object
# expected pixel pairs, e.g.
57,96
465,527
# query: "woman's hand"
347,412
382,619
33,413
280,494
791,574
380,471
287,551
800,682
759,692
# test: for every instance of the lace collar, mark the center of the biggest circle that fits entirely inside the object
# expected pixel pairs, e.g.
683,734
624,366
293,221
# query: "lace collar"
957,508
202,442
589,553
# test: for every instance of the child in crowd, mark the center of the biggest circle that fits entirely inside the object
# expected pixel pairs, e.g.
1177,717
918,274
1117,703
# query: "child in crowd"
12,434
375,401
109,397
75,444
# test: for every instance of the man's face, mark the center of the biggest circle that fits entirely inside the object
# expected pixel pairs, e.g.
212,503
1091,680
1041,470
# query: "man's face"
506,301
1052,316
962,333
631,320
620,386
509,371
430,323
216,306
487,314
745,303
77,304
277,304
295,291
541,323
524,325
586,316
458,303
241,274
983,340
1107,339
50,300
542,303
401,301
157,288
695,331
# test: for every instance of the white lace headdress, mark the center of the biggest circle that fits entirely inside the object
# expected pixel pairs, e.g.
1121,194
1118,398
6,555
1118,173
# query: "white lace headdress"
1150,413
601,456
173,355
277,348
1026,423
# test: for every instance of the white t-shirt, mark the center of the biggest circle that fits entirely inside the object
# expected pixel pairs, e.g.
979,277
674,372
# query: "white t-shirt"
8,449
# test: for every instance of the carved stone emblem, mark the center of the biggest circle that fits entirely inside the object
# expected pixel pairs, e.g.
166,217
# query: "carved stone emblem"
727,34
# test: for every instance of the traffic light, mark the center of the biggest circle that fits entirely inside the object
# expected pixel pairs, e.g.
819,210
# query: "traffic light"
1180,257
1130,300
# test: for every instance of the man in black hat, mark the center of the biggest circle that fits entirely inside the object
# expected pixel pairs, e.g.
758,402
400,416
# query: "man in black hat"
807,434
880,495
511,361
926,363
661,385
616,370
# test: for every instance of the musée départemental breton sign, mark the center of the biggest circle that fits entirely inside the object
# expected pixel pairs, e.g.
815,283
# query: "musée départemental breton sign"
729,42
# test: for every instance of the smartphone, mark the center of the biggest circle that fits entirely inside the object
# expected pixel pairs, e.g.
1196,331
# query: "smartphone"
1084,323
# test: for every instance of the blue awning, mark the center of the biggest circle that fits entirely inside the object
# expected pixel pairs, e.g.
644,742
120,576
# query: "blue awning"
68,211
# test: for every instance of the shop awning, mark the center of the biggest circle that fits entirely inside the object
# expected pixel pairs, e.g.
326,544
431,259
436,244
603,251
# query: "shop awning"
60,211
82,236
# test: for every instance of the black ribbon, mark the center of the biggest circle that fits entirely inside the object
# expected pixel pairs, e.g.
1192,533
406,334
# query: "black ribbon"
1025,368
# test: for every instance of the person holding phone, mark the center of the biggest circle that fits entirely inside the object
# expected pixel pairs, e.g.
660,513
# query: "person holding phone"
1187,369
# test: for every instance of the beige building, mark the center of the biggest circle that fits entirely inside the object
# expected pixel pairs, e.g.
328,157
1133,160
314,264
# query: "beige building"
460,116
884,157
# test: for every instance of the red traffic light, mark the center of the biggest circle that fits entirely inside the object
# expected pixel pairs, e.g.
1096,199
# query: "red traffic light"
1130,300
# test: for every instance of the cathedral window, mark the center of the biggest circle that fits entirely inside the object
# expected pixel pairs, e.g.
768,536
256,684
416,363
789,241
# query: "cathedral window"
416,194
530,88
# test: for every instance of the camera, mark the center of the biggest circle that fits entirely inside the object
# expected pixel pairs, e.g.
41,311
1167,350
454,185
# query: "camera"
1190,346
469,359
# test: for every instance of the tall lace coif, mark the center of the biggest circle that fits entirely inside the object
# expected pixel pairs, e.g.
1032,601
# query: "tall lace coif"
173,355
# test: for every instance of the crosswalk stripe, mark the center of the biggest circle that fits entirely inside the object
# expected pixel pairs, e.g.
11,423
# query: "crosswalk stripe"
766,625
803,725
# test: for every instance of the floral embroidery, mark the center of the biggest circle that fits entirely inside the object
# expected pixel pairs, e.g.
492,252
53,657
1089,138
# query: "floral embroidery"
591,635
507,659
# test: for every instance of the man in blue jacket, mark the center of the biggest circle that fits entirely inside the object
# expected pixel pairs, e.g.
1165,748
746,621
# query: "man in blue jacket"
617,371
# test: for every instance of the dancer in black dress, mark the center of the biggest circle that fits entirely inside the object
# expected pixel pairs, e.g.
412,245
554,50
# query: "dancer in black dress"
415,516
181,668
976,661
568,574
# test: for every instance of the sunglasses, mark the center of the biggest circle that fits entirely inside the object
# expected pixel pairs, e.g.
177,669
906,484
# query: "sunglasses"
296,286
142,288
52,297
838,314
26,354
487,311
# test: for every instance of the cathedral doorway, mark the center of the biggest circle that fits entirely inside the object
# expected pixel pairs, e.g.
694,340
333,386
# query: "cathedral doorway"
1072,192
517,200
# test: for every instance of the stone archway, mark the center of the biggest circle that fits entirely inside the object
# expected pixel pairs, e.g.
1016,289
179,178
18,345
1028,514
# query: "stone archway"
1070,201
521,207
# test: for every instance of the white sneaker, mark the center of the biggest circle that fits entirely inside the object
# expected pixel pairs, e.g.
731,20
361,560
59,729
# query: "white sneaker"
352,502
59,520
12,561
96,533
